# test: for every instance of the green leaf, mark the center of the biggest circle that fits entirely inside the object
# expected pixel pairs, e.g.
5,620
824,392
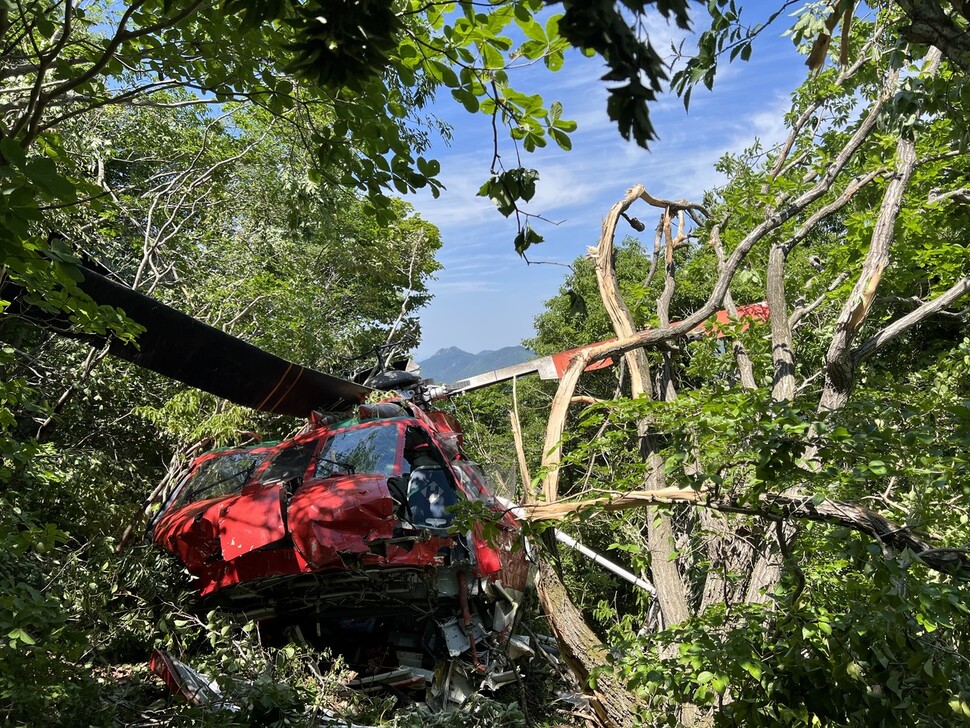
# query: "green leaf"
467,99
526,238
878,467
554,60
532,29
562,139
493,58
752,667
18,634
12,152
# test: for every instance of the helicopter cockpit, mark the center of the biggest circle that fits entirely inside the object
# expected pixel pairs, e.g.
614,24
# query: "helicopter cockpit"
394,455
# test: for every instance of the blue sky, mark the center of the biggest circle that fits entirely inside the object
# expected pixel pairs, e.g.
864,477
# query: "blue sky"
487,296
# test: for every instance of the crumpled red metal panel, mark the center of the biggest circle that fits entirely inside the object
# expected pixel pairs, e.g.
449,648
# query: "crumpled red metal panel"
428,552
487,557
191,533
230,527
340,515
251,520
449,429
249,567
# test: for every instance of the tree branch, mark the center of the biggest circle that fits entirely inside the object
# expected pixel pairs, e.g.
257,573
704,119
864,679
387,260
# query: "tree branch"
931,25
658,337
871,345
774,506
741,358
802,311
839,362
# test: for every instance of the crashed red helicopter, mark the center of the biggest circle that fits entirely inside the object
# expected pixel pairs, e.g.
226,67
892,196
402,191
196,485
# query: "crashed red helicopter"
341,536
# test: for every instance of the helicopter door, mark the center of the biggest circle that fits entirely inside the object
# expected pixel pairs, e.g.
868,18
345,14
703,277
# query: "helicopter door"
251,520
255,518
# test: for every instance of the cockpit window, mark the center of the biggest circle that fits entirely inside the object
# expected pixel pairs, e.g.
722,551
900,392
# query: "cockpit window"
472,479
223,474
371,450
290,463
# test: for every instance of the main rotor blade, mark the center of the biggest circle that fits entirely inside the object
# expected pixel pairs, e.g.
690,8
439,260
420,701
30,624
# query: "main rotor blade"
182,348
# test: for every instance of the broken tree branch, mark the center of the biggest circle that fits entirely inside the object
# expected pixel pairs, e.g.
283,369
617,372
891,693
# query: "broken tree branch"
775,506
552,448
839,363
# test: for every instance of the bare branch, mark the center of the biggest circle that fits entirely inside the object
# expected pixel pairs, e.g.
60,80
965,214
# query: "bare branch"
961,195
691,208
871,345
655,256
847,72
839,361
851,190
745,367
620,316
802,311
782,345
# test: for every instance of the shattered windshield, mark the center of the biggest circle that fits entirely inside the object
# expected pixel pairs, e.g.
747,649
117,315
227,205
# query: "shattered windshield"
472,479
290,463
223,474
371,450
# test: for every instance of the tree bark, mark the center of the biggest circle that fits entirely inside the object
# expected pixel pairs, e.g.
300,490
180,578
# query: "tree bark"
671,592
584,652
782,347
931,25
840,366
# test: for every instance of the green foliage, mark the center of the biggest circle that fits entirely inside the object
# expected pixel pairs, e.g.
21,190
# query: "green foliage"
601,27
233,218
851,636
505,188
830,659
343,44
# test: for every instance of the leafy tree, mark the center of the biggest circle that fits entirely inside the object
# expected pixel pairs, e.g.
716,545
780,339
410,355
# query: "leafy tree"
808,453
227,218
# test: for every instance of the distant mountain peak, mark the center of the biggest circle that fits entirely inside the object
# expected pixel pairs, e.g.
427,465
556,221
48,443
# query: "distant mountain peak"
450,364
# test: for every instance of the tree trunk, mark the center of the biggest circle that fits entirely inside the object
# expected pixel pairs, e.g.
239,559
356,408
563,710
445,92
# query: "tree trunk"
840,364
584,652
782,348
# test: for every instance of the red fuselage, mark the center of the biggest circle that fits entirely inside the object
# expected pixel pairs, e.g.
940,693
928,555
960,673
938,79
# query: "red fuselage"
358,495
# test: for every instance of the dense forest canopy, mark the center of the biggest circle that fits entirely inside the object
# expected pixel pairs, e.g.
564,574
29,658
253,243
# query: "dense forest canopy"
796,491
